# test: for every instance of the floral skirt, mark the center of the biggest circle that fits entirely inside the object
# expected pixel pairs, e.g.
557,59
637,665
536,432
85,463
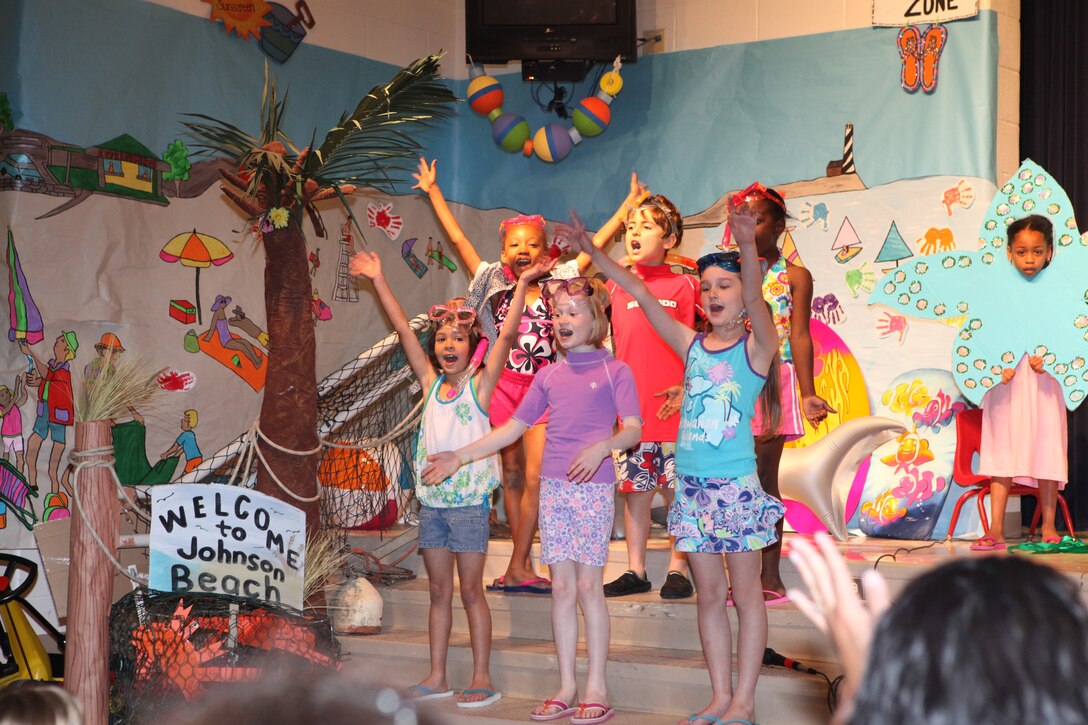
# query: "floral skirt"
723,515
575,521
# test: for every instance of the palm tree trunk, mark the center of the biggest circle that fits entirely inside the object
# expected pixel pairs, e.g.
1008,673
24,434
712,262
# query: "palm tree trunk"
289,410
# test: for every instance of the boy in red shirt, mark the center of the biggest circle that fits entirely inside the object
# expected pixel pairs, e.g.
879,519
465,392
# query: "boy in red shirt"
653,227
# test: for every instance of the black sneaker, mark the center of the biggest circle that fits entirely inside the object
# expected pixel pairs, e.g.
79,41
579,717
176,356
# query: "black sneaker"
628,583
677,586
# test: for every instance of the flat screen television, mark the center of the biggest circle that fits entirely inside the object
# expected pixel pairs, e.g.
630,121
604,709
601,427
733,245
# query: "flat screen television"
500,31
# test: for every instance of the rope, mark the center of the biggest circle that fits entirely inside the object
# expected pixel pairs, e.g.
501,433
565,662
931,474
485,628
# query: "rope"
244,460
106,463
251,449
409,421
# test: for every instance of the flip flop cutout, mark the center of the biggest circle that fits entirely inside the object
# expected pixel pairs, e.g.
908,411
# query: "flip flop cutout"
775,598
562,710
419,693
607,713
1065,545
539,585
932,46
910,42
498,585
491,699
988,543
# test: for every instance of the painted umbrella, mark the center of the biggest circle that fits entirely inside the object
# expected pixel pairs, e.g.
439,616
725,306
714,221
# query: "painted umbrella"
197,251
26,320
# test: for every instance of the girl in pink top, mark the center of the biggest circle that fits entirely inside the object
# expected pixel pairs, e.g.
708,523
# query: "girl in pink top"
584,395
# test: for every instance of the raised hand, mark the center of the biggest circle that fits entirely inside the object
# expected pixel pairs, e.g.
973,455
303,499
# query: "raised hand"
1007,375
569,232
832,603
367,264
638,192
742,224
581,243
1036,363
427,176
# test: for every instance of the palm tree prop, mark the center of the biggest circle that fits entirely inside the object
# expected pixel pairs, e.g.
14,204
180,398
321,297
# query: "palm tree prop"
274,182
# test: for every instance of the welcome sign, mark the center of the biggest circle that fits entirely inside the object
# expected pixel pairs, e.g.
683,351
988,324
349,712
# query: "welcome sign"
226,540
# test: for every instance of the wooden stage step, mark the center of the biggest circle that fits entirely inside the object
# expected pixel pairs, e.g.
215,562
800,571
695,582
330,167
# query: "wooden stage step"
656,672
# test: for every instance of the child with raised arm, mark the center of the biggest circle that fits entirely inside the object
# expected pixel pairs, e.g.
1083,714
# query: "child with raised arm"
584,395
1024,435
787,288
453,521
652,226
720,506
524,242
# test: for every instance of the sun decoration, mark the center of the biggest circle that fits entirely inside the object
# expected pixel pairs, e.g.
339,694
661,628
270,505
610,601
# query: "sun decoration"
553,142
242,18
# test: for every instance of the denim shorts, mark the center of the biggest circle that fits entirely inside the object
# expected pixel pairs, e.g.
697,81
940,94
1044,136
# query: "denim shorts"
461,529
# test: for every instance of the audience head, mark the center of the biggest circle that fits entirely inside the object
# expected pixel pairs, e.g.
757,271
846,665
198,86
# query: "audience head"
996,639
27,702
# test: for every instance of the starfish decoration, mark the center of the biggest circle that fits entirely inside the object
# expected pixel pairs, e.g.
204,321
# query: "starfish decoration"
1005,314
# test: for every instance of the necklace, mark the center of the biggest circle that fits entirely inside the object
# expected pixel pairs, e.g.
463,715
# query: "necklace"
738,321
455,388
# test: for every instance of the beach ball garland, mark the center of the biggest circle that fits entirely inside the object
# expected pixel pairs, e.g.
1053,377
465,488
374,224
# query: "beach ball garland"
553,142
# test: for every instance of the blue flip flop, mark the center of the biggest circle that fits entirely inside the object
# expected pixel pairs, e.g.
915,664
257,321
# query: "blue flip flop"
419,693
491,699
539,585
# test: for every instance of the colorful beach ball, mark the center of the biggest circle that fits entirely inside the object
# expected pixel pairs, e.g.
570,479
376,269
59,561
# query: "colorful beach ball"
592,116
510,132
484,95
552,143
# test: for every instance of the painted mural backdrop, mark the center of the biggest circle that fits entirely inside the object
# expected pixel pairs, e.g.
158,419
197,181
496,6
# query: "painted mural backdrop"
123,246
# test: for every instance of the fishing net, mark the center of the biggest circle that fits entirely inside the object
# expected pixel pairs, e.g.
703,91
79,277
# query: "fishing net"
368,413
167,650
370,417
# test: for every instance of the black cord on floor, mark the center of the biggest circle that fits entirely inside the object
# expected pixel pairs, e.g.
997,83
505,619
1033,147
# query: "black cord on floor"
903,550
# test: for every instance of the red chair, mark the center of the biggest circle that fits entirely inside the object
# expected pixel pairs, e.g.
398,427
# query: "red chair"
968,439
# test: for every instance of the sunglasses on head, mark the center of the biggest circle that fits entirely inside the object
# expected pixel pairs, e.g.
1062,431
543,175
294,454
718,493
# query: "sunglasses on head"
756,191
652,203
458,315
729,261
534,220
576,286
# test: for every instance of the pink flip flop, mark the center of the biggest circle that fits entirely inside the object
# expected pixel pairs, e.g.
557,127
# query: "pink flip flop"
775,598
988,543
562,710
607,713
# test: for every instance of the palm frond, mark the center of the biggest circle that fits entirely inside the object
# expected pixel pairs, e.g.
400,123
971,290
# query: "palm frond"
219,137
373,146
379,132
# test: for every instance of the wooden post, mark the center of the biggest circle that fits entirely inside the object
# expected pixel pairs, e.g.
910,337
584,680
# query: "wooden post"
90,576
